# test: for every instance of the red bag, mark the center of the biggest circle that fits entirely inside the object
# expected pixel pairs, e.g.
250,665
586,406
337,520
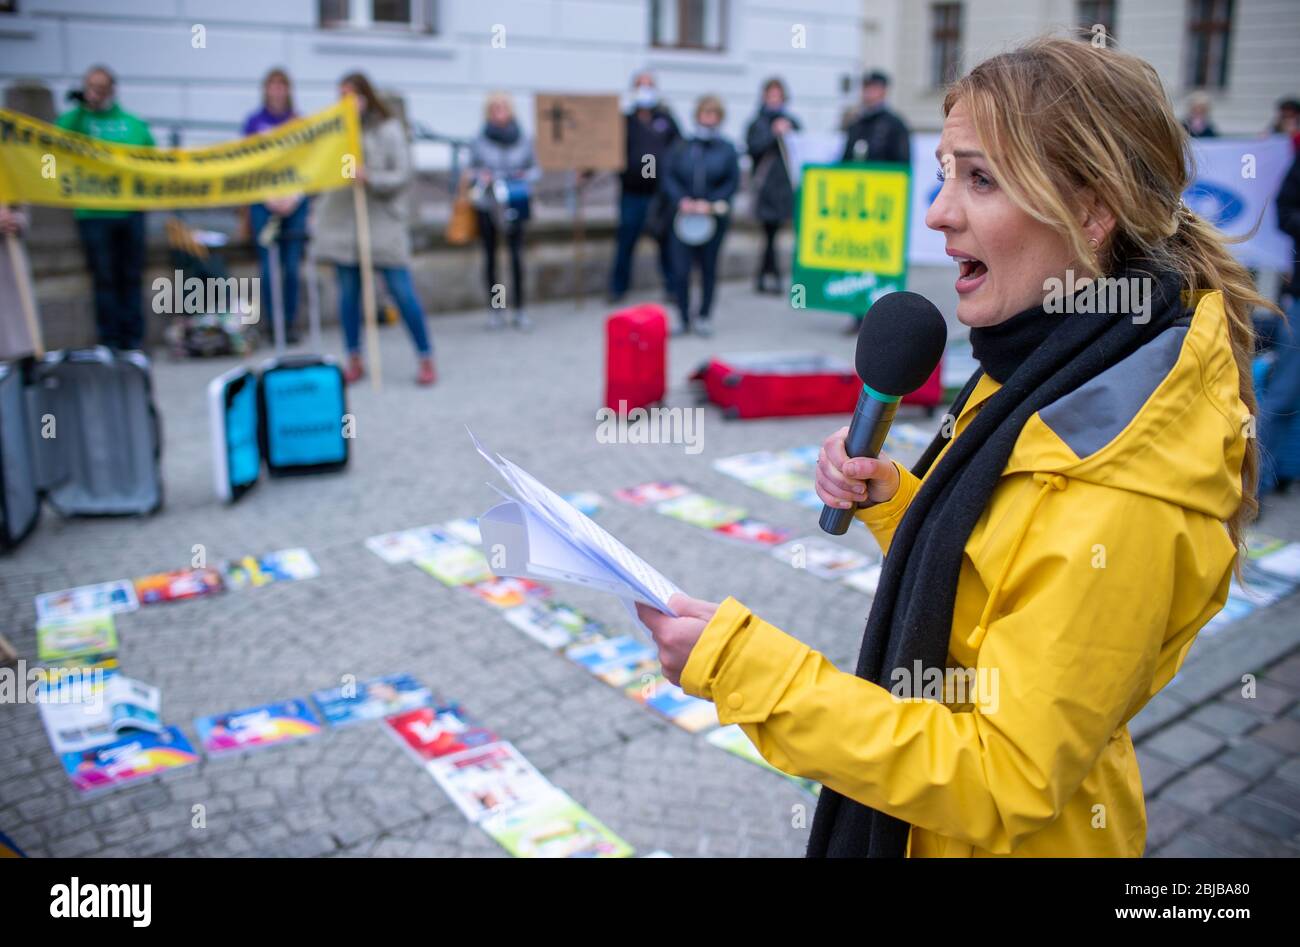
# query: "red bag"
930,394
636,357
779,385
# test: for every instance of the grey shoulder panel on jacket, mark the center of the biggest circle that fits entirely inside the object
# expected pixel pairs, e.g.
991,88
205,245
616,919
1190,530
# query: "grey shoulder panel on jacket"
1093,415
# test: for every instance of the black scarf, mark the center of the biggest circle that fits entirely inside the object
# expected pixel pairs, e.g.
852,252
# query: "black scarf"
1039,358
506,134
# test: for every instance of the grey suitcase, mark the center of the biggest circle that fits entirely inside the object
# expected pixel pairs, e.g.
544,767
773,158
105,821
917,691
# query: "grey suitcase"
104,455
20,501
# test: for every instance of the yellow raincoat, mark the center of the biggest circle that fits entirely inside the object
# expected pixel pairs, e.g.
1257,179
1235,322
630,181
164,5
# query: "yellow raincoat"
1100,555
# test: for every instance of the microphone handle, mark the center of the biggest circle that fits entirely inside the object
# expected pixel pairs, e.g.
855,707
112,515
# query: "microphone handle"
867,430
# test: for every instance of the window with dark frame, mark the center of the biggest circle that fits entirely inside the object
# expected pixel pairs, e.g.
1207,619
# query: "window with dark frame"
945,43
413,15
1094,13
8,6
1209,37
688,24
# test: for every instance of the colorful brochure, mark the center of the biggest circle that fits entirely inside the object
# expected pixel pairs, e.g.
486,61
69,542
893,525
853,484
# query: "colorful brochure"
617,661
554,624
177,584
128,760
671,702
754,532
487,779
554,827
586,502
370,700
699,510
465,529
115,597
406,544
80,637
509,592
821,557
432,732
455,564
87,711
755,465
257,727
287,565
648,494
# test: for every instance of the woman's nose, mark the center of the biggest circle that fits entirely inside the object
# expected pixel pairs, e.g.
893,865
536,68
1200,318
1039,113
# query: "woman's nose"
944,214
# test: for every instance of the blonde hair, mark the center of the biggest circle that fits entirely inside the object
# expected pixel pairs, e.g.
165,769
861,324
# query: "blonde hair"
498,97
712,103
1064,122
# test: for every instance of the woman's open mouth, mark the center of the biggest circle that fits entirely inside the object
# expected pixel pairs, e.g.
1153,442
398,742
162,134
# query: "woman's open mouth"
971,273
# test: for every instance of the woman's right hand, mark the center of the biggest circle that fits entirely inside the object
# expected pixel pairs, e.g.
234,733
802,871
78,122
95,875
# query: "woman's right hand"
843,481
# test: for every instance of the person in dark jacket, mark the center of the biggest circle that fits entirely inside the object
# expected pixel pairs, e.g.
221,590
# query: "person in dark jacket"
701,179
651,134
1279,400
1198,122
877,134
773,191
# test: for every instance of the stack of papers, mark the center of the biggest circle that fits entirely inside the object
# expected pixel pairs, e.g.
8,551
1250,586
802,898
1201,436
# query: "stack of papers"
541,536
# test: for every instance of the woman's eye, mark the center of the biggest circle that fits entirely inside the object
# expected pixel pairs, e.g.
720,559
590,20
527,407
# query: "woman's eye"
981,180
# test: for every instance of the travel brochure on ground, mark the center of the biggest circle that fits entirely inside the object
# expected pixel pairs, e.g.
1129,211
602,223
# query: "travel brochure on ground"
257,727
84,712
128,760
370,700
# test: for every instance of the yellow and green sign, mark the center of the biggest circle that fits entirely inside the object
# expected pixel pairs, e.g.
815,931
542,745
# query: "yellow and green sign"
44,164
850,235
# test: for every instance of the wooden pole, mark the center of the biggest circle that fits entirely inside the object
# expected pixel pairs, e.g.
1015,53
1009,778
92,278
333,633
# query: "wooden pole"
26,298
367,284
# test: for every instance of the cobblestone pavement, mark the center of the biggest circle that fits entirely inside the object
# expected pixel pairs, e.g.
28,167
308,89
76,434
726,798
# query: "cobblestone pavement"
1222,772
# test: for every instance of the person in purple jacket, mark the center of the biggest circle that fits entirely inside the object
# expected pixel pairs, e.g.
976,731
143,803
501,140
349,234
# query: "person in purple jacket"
277,108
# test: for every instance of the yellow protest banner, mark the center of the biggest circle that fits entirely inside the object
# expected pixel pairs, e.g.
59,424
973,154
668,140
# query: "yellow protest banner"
44,164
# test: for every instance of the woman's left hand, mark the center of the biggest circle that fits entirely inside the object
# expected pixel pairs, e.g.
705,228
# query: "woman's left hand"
676,637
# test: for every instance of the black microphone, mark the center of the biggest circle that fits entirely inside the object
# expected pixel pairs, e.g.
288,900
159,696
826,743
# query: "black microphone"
900,343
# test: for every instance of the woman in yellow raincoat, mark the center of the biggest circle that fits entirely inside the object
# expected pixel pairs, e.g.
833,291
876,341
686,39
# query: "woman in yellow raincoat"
1051,559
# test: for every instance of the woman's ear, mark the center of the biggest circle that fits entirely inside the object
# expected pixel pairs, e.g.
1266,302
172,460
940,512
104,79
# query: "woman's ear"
1097,220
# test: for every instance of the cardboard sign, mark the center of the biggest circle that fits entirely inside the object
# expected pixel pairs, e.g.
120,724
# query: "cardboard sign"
851,234
580,133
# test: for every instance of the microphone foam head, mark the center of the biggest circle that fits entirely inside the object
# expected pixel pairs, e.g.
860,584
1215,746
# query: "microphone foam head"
900,343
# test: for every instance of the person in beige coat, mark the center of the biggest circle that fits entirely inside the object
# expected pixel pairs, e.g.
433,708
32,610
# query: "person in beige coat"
386,175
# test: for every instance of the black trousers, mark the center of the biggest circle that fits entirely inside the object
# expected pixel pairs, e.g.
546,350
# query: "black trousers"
705,256
487,230
768,264
114,249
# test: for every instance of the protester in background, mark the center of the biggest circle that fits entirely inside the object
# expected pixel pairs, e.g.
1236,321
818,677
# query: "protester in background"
113,240
1287,121
502,168
701,179
1198,122
386,177
651,133
277,108
877,134
770,177
1279,399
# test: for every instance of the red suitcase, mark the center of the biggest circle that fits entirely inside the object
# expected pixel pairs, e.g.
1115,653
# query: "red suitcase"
636,357
767,385
929,395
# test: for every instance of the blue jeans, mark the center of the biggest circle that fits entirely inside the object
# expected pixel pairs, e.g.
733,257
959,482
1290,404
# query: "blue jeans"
632,212
292,240
400,287
114,248
1279,405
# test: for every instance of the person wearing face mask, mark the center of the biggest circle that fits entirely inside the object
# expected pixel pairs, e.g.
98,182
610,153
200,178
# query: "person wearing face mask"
651,133
503,169
1051,558
773,191
113,240
700,181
